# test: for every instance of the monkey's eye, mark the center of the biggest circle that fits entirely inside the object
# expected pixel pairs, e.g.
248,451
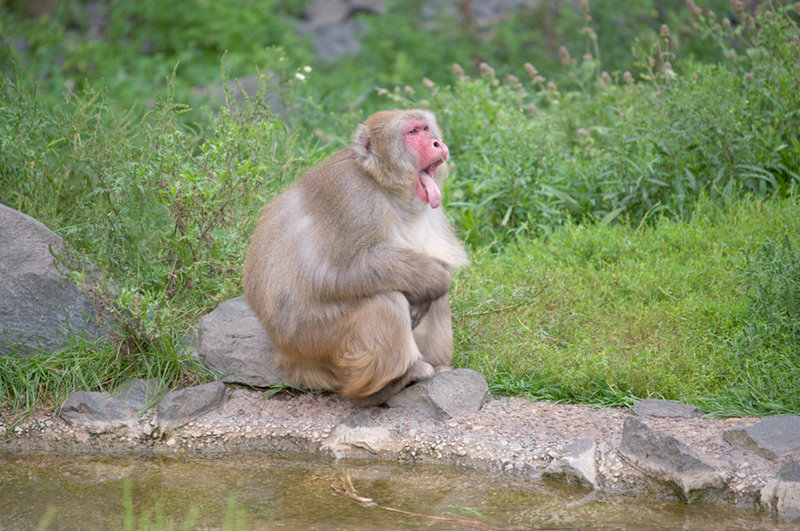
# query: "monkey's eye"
425,128
413,131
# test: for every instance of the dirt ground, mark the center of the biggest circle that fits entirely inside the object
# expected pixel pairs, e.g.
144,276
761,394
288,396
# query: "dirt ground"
508,435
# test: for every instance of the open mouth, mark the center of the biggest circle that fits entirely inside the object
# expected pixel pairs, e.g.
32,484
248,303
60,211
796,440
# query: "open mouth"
426,189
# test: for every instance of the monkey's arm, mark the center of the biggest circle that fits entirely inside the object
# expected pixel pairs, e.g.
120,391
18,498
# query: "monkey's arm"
419,277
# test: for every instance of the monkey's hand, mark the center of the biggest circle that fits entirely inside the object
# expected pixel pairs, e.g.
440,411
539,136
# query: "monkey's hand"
429,280
418,311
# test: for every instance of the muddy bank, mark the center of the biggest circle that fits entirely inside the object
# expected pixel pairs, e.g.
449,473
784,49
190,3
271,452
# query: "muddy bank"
508,435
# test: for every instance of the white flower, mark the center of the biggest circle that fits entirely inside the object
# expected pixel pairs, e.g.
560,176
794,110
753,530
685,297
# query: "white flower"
300,76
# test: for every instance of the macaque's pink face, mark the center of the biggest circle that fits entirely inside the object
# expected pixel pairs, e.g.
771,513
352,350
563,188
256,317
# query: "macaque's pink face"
431,153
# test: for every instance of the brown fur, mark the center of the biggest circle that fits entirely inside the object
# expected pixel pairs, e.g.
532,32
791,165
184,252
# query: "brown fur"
348,270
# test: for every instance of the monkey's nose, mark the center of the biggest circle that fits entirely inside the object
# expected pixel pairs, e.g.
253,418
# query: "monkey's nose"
440,146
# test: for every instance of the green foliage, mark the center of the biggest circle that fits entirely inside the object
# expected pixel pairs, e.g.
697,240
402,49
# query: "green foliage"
158,203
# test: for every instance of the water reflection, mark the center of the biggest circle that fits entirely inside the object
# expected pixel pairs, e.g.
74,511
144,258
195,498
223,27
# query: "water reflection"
268,491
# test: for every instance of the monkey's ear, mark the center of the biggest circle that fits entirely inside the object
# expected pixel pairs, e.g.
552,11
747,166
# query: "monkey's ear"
363,142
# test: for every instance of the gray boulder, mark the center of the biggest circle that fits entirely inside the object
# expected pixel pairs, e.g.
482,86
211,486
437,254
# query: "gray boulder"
231,340
42,307
771,438
448,394
665,408
98,412
782,494
181,407
577,465
670,460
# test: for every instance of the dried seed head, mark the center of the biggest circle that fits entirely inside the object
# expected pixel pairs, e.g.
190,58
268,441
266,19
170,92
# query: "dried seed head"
531,108
586,30
531,70
605,79
538,79
457,70
738,6
693,9
627,77
748,77
564,55
582,131
551,86
587,57
513,81
665,31
428,83
726,23
486,70
408,90
584,6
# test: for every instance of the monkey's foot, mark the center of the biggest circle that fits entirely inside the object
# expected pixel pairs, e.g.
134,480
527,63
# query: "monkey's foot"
420,370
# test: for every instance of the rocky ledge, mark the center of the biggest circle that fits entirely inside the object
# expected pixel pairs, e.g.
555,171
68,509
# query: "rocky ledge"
658,448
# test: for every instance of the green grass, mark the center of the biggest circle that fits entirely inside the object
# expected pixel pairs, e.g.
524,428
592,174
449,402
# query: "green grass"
608,314
43,381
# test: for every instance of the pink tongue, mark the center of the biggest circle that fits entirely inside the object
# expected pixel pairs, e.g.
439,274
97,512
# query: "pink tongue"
428,191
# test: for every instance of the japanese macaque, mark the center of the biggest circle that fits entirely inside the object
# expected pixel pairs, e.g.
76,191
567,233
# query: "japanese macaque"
349,268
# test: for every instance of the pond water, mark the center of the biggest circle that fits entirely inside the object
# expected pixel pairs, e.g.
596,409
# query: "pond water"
288,491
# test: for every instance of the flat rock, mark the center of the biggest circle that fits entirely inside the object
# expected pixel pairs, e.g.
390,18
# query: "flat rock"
665,408
231,340
577,465
771,438
98,412
669,459
782,494
358,435
181,407
139,393
42,308
447,394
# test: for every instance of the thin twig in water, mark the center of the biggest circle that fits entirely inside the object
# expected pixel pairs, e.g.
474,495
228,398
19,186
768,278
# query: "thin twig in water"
348,491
